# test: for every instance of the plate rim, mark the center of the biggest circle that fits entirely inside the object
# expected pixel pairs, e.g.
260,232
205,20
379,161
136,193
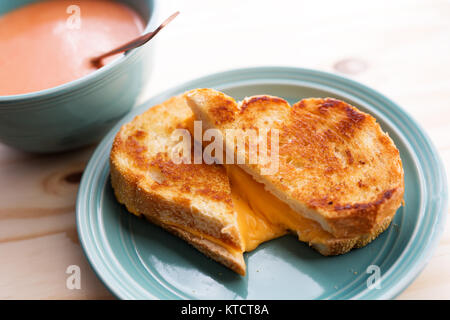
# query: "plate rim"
264,74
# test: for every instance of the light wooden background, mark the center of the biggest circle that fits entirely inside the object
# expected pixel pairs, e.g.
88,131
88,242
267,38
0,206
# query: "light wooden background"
401,48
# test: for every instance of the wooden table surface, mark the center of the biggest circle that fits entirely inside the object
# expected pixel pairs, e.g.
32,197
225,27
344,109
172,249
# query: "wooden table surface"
401,48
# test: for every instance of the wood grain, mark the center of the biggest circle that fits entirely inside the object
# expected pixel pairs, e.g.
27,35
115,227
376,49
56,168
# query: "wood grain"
38,237
401,48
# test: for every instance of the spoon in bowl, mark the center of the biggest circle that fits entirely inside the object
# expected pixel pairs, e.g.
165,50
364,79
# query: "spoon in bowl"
97,61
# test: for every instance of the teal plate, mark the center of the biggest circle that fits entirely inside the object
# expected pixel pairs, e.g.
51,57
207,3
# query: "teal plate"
137,260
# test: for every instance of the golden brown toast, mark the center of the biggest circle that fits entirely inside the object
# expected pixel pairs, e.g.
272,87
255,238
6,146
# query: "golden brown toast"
193,201
336,165
223,216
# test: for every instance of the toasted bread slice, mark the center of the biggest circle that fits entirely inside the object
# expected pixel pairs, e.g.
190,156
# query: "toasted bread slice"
193,201
336,166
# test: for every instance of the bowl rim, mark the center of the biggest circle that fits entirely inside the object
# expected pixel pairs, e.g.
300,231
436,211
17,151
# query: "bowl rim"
91,77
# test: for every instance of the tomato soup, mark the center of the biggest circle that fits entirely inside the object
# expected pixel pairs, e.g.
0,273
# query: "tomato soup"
48,43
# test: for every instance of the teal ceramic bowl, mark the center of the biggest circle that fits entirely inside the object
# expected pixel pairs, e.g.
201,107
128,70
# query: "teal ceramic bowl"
80,112
137,260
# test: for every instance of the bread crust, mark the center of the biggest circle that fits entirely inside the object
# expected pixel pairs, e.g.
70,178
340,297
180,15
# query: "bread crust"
335,247
232,260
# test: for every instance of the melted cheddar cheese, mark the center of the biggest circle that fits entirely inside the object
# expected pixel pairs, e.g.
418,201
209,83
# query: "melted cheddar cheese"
262,216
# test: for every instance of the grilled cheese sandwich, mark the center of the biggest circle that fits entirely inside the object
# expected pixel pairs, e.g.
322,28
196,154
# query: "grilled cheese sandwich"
224,211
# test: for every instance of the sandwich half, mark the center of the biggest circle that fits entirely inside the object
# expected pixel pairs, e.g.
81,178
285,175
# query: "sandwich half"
338,180
192,201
